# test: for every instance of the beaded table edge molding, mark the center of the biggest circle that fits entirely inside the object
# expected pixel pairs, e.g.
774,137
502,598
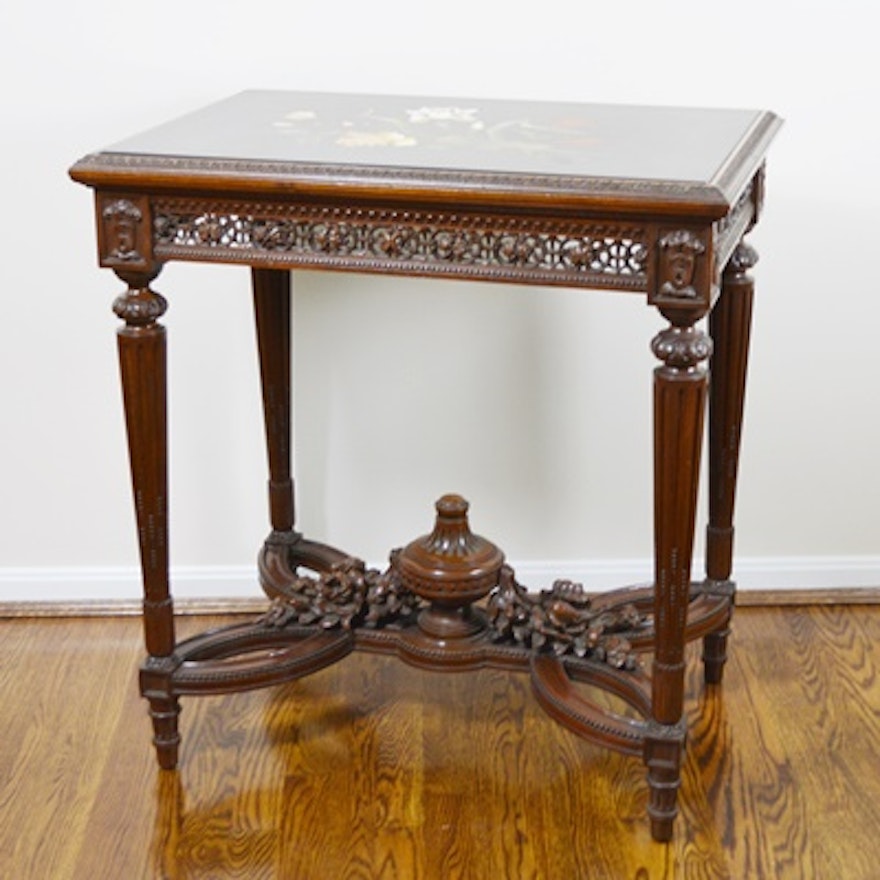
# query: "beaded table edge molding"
653,200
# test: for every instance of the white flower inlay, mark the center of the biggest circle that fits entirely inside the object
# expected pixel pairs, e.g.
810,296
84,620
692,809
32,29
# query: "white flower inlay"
355,138
466,115
291,120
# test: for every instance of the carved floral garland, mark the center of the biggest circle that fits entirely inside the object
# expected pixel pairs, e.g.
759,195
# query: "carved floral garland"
561,619
348,596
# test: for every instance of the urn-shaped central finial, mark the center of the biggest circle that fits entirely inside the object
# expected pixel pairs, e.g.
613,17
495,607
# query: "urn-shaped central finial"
451,567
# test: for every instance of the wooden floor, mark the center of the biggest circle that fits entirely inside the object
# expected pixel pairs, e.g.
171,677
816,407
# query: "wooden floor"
371,769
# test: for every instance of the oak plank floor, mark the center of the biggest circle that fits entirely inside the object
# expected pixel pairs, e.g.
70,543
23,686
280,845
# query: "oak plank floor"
371,769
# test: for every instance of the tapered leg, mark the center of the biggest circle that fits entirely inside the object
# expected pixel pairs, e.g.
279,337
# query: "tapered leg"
285,549
729,325
679,398
272,313
142,361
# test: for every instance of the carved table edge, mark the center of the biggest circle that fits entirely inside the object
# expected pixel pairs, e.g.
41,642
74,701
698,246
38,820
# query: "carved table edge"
557,191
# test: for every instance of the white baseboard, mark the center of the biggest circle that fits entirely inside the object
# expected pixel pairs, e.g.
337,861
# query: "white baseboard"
107,584
757,573
808,573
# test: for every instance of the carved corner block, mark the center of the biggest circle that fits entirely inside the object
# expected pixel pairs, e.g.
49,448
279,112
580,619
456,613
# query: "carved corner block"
681,275
759,188
124,232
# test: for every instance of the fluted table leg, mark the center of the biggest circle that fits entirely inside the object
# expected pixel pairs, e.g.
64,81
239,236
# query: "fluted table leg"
729,325
679,398
142,361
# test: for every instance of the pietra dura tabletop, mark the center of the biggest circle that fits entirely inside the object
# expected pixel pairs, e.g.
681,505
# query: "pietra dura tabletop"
652,200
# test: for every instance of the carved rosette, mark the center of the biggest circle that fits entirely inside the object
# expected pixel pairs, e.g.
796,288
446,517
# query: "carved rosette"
563,620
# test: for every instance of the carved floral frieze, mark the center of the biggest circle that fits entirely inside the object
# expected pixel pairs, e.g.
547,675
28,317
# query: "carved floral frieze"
514,248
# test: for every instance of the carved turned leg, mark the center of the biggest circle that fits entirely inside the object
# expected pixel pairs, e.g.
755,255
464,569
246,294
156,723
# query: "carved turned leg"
679,397
729,325
142,361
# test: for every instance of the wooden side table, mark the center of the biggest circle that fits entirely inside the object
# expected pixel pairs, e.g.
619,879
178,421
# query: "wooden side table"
652,200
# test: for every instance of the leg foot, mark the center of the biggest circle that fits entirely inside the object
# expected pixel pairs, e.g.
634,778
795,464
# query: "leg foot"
715,656
164,714
663,757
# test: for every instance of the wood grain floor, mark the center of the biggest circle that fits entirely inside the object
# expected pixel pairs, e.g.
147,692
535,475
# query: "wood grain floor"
371,769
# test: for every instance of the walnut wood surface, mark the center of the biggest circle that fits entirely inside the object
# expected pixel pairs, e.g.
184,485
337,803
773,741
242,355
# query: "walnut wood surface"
372,769
607,197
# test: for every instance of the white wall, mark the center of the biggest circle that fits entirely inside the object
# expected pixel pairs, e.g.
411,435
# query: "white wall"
541,415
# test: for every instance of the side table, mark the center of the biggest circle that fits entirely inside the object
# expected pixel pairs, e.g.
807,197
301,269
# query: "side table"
637,199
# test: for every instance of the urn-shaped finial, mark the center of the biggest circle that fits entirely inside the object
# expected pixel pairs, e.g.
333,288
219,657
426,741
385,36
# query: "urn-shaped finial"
451,567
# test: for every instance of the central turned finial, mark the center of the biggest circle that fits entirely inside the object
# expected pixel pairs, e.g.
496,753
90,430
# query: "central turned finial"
451,568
